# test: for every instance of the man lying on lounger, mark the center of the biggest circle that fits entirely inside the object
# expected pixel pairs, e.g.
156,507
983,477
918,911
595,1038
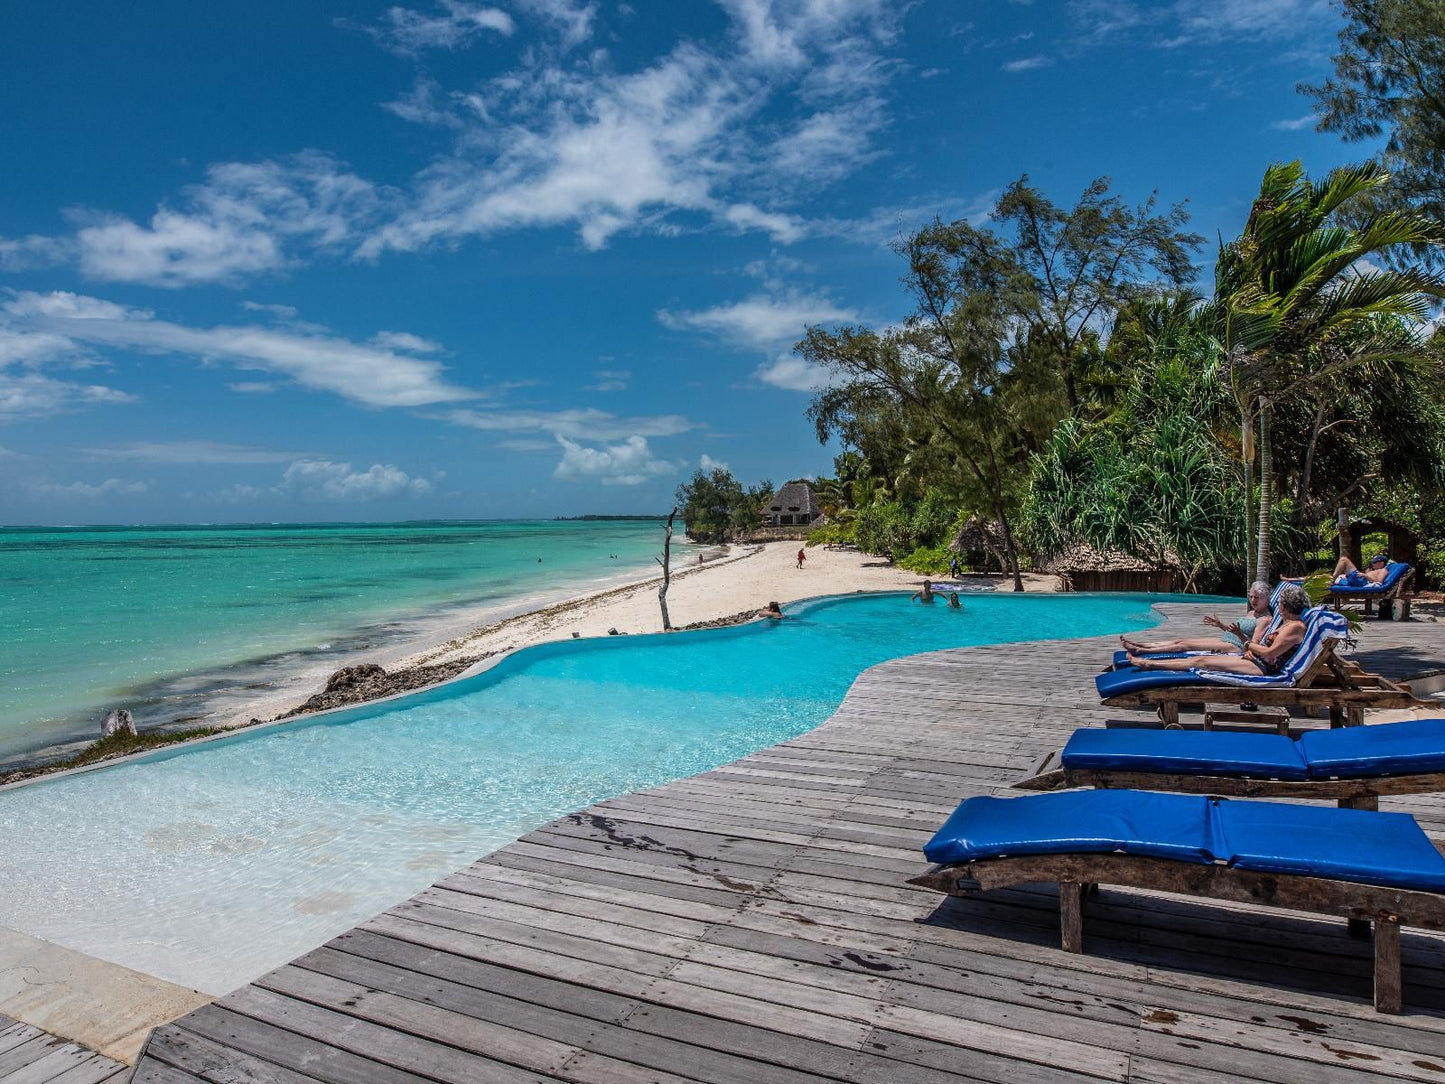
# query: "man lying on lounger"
1267,657
1347,575
1249,629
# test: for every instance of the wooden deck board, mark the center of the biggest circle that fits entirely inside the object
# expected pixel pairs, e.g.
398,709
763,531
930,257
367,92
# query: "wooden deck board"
753,924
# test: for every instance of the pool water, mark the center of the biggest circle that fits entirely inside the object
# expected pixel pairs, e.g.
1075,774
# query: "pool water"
210,865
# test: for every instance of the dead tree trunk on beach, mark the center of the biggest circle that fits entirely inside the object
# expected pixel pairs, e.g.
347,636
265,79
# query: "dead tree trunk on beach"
666,562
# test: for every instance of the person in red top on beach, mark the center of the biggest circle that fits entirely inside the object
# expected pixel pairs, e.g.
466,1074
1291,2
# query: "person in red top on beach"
801,556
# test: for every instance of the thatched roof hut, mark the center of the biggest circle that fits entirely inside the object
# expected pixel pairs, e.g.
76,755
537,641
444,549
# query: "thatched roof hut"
981,535
794,504
1081,567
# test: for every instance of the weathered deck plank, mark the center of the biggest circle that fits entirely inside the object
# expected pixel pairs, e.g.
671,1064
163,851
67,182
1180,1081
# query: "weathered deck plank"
753,924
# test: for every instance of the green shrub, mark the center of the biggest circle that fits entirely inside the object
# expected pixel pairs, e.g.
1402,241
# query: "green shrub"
927,561
832,534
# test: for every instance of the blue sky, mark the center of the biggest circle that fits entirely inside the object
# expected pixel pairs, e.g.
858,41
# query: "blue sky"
322,261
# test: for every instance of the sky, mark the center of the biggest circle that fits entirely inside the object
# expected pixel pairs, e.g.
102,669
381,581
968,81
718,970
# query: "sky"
523,258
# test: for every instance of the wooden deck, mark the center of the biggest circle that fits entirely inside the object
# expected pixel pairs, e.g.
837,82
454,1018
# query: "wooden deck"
751,925
30,1056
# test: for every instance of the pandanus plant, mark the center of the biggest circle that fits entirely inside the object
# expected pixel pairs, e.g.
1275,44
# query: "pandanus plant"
1295,298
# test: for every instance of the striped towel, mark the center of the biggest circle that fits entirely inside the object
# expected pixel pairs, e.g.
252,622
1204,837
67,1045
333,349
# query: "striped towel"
1321,624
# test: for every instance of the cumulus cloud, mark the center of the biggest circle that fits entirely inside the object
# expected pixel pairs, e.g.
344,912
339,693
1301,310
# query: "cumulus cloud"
726,132
629,463
792,374
108,488
28,253
451,24
1309,120
26,394
576,424
236,224
324,480
762,320
369,374
190,451
1028,63
610,380
707,463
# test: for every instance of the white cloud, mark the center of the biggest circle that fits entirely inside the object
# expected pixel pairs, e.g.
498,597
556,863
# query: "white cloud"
368,374
1204,21
610,380
527,444
784,228
456,25
189,452
761,320
28,394
1309,120
577,424
707,463
108,488
235,225
252,387
792,374
27,253
324,480
1028,63
280,312
403,340
627,464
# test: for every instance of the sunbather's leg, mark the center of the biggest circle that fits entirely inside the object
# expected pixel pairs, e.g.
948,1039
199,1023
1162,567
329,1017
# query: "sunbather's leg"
1236,664
1343,567
1224,647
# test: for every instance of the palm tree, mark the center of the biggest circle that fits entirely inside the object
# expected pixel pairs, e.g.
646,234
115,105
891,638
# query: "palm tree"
1297,284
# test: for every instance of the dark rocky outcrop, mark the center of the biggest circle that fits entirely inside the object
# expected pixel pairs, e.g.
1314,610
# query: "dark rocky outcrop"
368,681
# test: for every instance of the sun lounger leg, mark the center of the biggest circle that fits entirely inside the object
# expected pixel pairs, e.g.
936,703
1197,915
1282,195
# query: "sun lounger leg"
1372,803
1388,993
1071,915
1169,714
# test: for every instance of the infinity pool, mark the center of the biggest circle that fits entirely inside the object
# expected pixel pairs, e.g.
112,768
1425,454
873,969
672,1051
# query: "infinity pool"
210,865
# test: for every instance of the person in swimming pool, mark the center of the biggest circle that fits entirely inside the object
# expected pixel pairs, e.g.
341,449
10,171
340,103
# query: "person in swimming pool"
953,603
772,610
1268,657
924,594
1248,629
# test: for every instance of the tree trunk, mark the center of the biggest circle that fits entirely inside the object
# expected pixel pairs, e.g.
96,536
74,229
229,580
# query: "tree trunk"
1246,456
666,562
1266,490
1008,541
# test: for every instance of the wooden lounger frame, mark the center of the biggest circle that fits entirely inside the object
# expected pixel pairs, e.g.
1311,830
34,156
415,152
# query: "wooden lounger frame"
1076,874
1330,682
1396,594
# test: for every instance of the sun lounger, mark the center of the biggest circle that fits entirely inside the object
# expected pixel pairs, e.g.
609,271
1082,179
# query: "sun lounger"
1354,765
1391,590
1313,678
1350,863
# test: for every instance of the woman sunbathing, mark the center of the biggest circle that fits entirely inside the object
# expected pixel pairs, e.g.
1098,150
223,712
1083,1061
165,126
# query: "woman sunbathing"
1248,629
1267,657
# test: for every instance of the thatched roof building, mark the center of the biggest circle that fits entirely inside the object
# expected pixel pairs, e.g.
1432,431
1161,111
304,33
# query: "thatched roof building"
793,505
1081,567
981,535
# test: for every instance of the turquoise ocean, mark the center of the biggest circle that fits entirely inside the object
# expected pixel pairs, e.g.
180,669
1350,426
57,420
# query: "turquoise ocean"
163,620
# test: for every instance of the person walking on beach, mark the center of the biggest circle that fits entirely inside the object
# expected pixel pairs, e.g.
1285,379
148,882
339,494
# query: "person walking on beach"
953,567
802,556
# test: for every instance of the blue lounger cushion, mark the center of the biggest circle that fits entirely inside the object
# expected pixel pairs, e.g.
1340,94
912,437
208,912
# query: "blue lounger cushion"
1322,841
1408,748
1393,572
1132,680
1073,822
1356,845
1187,752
